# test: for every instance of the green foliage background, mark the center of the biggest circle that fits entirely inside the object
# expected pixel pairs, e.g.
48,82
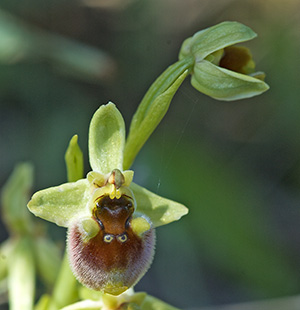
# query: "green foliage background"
235,165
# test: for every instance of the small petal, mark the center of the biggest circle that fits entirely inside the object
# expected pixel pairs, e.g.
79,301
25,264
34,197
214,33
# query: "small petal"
96,179
88,229
60,204
209,40
128,175
140,225
224,84
160,210
106,139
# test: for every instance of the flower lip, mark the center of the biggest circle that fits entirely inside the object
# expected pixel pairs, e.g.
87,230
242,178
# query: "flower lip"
237,59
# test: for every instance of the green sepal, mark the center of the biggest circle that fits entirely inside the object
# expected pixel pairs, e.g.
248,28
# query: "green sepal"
152,111
159,210
74,160
61,204
106,139
21,275
223,84
214,38
15,197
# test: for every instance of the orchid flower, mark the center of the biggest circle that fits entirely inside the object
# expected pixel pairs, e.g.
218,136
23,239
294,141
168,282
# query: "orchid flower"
110,219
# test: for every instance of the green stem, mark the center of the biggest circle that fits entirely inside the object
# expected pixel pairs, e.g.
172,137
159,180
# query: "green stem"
21,275
160,85
154,106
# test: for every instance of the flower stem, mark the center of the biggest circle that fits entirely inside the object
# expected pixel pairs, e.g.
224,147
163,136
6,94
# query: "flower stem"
154,106
21,275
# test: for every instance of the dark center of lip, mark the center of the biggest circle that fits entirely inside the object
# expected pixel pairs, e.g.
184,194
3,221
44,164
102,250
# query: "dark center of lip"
237,59
113,214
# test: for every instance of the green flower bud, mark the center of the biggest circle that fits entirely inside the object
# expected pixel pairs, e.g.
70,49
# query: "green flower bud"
223,71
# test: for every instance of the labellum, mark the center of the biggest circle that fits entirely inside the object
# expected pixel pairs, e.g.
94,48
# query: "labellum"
113,249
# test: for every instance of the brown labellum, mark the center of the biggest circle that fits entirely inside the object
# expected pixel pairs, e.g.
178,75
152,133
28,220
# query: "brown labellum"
116,258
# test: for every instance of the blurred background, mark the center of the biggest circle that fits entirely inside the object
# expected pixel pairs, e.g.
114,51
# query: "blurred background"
235,165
